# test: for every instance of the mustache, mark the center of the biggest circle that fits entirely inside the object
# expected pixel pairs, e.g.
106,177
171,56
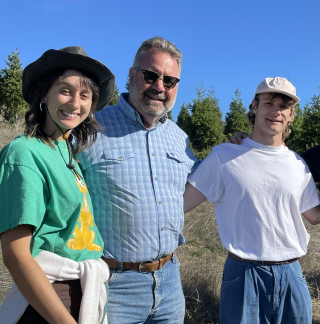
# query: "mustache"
155,94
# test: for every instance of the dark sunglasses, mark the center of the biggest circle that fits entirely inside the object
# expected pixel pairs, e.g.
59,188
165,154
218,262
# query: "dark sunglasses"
151,77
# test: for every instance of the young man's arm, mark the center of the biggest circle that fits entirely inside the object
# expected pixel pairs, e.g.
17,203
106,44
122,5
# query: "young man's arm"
192,197
312,215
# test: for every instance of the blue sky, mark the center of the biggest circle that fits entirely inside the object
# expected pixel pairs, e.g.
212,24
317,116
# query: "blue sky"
225,44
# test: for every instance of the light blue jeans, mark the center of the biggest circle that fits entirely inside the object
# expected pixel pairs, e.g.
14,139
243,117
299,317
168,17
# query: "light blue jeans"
260,294
136,298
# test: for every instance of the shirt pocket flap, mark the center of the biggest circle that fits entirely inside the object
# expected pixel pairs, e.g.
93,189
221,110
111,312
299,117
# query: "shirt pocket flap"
118,154
176,156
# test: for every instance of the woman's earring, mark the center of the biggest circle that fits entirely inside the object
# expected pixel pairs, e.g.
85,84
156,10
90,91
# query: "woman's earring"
92,118
41,106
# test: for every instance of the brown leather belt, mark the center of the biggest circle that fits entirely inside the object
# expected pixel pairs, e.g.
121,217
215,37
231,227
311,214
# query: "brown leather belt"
235,257
147,266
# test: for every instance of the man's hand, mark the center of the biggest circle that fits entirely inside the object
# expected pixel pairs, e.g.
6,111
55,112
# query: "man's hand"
238,137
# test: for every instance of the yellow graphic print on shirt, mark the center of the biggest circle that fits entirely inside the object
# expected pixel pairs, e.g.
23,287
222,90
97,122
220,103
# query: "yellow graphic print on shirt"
83,236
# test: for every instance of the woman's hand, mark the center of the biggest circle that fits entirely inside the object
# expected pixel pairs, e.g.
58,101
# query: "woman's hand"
30,278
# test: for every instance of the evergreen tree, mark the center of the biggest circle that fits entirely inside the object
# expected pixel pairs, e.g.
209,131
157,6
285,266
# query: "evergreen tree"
115,97
128,83
184,119
206,121
294,141
236,118
169,114
11,99
311,123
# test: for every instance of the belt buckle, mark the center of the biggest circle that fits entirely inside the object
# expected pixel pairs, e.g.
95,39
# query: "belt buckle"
141,265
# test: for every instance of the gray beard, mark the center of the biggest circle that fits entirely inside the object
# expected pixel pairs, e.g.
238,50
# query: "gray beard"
151,109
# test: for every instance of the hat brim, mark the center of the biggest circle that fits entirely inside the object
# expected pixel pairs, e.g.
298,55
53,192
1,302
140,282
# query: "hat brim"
295,98
53,60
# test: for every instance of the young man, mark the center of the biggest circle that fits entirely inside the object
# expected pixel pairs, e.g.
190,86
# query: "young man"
260,189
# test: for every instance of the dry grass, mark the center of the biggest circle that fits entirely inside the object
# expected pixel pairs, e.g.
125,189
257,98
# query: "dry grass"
5,280
202,259
9,132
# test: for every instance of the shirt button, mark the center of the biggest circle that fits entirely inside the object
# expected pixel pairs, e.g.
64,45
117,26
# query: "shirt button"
162,229
160,202
121,157
156,178
152,154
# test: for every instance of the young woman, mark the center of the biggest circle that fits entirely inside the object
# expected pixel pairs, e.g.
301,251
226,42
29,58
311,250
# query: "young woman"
46,224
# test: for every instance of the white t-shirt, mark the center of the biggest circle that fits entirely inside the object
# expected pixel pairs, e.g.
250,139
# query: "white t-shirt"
259,193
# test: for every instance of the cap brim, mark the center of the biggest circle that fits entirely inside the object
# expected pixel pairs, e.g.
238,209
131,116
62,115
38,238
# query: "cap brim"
295,98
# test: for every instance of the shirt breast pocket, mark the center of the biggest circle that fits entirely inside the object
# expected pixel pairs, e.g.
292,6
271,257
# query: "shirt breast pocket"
178,168
118,163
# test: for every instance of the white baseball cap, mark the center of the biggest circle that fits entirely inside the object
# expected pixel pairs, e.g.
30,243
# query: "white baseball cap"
278,85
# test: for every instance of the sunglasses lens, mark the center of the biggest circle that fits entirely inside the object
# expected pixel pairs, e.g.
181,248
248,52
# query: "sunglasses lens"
169,82
150,77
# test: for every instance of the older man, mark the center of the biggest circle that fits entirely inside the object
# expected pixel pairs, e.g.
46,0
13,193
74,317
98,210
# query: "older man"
136,173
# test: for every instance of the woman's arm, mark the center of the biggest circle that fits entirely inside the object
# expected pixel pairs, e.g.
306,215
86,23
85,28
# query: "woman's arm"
29,277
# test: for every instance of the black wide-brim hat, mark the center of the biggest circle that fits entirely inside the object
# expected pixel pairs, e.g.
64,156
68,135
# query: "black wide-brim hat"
69,58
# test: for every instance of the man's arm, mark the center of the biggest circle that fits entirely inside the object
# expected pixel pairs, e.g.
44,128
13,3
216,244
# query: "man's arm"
312,215
192,197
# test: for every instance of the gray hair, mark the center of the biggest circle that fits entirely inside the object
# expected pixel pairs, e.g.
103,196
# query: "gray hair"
161,45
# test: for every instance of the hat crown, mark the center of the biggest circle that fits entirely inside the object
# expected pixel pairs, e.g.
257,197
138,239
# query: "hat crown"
69,58
278,84
74,50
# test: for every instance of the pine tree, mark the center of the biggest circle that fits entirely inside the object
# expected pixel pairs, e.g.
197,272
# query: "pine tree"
127,86
11,100
311,123
169,114
206,121
294,141
236,118
184,119
115,97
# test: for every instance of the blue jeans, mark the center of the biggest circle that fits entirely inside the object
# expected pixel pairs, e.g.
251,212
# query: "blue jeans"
155,297
253,294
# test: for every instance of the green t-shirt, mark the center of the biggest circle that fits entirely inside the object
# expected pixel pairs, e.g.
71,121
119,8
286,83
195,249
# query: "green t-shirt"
37,188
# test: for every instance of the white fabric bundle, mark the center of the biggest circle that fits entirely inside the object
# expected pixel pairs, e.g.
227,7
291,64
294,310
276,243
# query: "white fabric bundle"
93,275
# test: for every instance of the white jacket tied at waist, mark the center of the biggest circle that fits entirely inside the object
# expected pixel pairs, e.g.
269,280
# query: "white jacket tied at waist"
93,275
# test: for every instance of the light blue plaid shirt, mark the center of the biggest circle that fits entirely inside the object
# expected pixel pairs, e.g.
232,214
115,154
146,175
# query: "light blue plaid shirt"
136,178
